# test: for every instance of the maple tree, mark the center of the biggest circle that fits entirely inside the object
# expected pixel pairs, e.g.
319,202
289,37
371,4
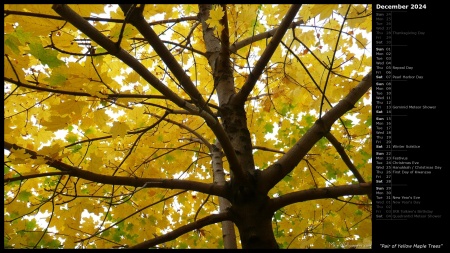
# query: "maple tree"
187,126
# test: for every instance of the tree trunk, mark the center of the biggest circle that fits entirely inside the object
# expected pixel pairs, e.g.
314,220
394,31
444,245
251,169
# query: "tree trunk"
247,201
254,224
228,233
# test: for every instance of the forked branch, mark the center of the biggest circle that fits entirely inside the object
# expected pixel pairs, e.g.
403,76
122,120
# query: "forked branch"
274,173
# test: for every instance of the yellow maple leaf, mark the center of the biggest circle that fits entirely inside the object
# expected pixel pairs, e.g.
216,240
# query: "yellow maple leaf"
362,42
96,162
136,117
18,156
100,118
94,90
86,10
40,160
51,151
323,10
44,136
119,129
70,106
133,77
56,123
215,16
7,126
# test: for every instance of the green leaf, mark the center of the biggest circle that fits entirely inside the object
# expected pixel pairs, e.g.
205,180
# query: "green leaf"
129,226
170,158
121,225
5,169
279,233
368,121
330,239
105,233
277,215
348,123
283,245
152,219
46,56
309,120
285,109
132,237
13,215
89,131
56,79
100,50
268,128
76,148
30,225
117,237
322,143
183,245
24,195
71,138
17,38
293,141
12,43
365,155
49,182
53,244
331,171
24,37
287,178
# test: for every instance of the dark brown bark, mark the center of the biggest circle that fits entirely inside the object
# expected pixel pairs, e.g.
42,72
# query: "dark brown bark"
254,221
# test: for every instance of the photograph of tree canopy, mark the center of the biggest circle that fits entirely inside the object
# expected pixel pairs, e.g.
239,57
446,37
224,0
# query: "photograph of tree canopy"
186,126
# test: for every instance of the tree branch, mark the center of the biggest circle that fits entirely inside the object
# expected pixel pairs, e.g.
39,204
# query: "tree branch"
241,97
180,125
84,26
137,20
222,70
128,216
277,171
108,96
265,35
46,16
346,159
344,156
48,174
211,219
213,189
320,193
268,149
83,94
